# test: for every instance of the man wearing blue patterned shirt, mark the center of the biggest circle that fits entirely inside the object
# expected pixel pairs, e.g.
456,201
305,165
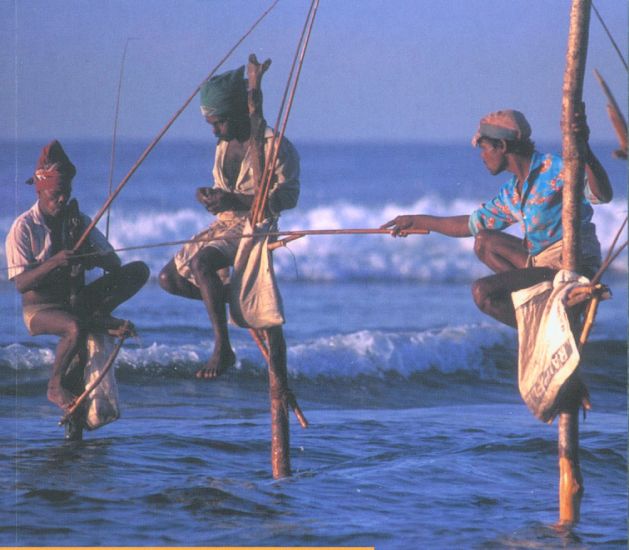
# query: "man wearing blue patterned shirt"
532,198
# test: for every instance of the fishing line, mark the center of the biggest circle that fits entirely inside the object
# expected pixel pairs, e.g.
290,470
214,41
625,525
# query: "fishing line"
297,277
280,243
112,162
609,34
153,143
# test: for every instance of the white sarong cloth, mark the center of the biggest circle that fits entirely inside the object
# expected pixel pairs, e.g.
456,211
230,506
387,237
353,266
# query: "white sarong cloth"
255,300
547,353
101,405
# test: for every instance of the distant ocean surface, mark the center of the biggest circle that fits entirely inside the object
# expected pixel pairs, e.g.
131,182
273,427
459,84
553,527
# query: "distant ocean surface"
418,436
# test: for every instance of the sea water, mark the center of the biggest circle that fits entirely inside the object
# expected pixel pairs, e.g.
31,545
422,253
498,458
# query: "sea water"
418,437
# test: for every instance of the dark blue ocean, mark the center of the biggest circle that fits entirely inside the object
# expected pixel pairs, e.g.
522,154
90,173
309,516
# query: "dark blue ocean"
418,437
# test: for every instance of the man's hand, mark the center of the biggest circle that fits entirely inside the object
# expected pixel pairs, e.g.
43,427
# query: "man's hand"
453,226
579,124
400,224
214,200
63,258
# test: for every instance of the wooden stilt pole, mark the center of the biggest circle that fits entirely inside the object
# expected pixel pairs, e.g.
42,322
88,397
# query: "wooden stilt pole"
570,478
259,339
275,344
278,391
263,168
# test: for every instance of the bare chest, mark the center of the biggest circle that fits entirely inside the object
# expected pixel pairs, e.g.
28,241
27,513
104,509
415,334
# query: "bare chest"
232,162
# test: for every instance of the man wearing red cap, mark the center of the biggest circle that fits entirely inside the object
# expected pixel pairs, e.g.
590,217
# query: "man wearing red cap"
49,274
531,197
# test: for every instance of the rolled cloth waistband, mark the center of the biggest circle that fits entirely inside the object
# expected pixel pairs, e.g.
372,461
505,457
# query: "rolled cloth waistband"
590,253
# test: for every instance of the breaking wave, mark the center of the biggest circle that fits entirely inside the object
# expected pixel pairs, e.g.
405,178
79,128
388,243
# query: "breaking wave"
365,353
428,258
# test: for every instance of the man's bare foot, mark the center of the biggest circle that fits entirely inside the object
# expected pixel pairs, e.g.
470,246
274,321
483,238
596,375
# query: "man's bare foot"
217,365
60,396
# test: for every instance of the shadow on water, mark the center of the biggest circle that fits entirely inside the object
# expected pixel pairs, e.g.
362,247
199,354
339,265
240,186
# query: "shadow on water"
538,535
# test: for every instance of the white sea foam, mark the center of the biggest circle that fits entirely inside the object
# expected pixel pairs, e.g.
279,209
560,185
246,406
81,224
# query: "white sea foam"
378,353
431,257
361,353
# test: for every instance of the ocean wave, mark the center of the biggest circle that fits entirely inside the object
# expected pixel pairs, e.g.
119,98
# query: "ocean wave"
428,258
367,353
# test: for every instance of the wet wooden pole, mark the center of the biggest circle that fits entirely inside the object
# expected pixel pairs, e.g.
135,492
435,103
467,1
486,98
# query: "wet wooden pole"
274,337
570,477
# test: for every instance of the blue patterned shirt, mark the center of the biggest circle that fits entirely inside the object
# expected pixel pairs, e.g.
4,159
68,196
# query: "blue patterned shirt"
537,209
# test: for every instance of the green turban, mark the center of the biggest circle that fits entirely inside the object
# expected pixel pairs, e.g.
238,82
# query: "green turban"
225,94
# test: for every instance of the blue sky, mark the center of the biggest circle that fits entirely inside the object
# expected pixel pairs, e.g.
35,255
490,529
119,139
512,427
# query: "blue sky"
375,70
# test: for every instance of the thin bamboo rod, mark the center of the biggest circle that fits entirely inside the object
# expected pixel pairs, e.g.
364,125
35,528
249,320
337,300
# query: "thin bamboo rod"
112,161
269,167
616,117
292,235
159,136
266,159
611,38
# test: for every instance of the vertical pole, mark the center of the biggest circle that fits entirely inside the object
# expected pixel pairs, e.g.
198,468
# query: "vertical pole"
278,382
278,388
570,478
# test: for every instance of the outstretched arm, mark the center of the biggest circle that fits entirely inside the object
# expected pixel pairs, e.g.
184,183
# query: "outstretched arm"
452,226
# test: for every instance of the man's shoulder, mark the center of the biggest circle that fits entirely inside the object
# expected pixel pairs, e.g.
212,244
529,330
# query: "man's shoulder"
552,157
27,219
548,164
269,133
84,217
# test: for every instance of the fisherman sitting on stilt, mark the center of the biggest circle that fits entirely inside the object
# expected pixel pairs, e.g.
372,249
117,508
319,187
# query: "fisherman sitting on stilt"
49,273
197,270
531,197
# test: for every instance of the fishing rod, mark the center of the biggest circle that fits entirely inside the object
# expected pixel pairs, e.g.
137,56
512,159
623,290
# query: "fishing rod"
295,234
611,38
616,117
257,210
112,162
153,143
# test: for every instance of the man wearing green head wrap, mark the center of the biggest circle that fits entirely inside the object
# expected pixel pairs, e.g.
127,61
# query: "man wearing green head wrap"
225,95
198,270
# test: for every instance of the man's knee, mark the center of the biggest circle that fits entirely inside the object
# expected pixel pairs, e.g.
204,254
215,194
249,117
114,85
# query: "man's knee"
137,272
480,293
72,331
208,261
483,242
165,280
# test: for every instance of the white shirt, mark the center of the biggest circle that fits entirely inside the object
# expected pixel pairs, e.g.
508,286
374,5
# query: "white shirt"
29,241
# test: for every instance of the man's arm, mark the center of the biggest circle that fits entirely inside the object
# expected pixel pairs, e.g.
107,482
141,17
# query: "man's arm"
32,279
109,261
105,256
284,193
217,200
597,179
452,226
